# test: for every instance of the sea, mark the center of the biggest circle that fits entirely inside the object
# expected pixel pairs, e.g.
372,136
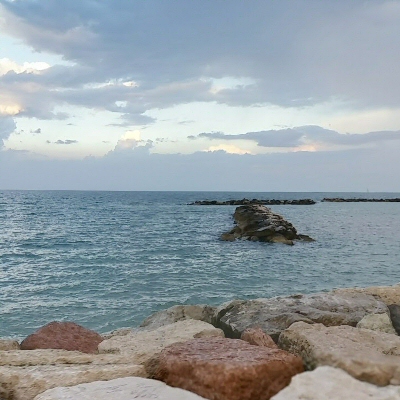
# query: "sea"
108,260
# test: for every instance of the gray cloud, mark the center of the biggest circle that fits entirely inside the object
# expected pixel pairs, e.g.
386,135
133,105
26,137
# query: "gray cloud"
66,142
7,127
36,131
297,54
304,135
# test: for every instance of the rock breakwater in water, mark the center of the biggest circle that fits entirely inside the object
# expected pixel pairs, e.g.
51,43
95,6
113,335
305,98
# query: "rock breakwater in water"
258,223
244,202
345,340
360,200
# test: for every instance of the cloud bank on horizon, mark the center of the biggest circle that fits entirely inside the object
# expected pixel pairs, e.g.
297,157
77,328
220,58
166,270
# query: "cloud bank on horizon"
164,85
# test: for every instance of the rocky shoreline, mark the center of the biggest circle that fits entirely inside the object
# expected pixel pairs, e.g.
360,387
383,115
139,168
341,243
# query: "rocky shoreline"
245,202
331,345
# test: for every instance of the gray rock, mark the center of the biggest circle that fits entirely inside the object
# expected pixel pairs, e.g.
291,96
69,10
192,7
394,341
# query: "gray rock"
366,355
8,344
387,294
276,314
121,389
178,313
258,223
394,310
377,322
327,383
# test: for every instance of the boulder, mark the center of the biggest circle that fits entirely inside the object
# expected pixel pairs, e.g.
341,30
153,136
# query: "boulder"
227,369
8,344
141,346
394,310
276,314
178,313
327,383
366,355
257,337
63,335
386,294
377,322
258,223
25,374
121,389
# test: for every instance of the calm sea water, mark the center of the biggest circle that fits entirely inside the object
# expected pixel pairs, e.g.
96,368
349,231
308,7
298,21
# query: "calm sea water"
109,259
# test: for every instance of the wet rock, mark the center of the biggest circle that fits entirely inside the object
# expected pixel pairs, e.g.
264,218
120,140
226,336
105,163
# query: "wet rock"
386,294
227,369
327,383
259,223
121,389
366,355
257,337
394,310
178,313
63,335
8,344
276,314
377,322
141,346
25,374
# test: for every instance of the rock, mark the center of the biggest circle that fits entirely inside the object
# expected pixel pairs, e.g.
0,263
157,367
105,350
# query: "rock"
178,313
386,294
257,337
121,389
8,344
276,314
377,322
140,347
63,335
118,332
327,383
227,369
366,355
394,310
258,223
25,374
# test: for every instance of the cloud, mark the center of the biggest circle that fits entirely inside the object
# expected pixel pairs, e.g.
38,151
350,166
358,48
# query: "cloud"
36,131
304,136
7,127
149,55
63,142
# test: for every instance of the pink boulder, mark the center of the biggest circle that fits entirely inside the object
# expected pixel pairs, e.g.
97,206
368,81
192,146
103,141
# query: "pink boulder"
257,337
63,335
227,369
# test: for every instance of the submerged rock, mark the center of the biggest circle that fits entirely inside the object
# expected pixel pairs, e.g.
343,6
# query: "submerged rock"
366,355
259,223
63,335
227,369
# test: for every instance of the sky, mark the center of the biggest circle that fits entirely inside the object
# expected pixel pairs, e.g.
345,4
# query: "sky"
260,95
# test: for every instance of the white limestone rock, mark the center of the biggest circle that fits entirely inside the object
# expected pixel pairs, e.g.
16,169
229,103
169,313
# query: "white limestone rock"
366,355
8,344
378,323
119,389
141,346
327,383
387,294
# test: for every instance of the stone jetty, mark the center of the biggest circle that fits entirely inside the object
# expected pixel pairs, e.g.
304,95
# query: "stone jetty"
360,200
332,345
244,202
258,223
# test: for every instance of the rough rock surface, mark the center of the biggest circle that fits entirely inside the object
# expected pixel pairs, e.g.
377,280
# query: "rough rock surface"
366,355
257,337
178,313
121,389
227,369
278,313
377,322
140,347
387,294
63,335
259,223
394,310
25,374
8,344
327,383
